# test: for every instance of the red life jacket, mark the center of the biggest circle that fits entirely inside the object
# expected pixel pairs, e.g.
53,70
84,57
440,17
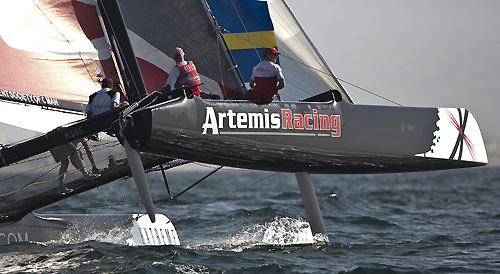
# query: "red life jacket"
265,87
188,77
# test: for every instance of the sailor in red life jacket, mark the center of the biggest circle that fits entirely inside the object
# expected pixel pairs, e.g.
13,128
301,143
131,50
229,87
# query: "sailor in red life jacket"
267,77
184,74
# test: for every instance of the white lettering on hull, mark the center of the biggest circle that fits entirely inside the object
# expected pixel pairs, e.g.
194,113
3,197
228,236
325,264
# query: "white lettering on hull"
287,121
12,238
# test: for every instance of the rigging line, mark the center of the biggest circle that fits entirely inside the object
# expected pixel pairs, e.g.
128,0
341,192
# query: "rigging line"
95,206
144,107
123,62
217,33
31,160
246,31
231,193
109,144
342,80
33,182
185,190
318,70
22,173
188,188
79,52
197,182
368,91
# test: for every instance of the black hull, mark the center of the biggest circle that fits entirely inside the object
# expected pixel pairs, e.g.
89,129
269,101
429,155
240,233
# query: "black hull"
366,139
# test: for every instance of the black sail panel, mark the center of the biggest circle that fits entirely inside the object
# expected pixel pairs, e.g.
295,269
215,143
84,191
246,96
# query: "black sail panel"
155,28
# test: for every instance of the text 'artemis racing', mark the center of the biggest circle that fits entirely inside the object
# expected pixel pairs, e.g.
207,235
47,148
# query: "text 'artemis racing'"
271,123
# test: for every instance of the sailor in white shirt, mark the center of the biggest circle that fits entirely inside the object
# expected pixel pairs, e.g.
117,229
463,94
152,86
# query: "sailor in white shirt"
267,76
104,100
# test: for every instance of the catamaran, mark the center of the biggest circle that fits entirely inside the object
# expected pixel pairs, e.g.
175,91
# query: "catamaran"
316,128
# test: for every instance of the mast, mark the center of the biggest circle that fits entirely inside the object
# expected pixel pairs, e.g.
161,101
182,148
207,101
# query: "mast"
120,42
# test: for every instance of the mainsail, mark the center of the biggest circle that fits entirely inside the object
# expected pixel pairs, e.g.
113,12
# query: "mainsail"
186,24
52,49
51,53
58,72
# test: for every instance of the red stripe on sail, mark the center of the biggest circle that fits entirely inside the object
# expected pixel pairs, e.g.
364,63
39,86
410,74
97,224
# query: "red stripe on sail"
71,79
153,76
88,19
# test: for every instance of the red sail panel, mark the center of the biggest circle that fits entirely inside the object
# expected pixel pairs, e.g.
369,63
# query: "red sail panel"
52,48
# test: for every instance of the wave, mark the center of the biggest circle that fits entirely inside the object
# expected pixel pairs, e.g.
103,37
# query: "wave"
281,231
371,221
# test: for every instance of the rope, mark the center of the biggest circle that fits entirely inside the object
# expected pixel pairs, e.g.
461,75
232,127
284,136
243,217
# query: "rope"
144,107
168,200
316,69
197,182
188,188
246,31
370,92
72,171
33,183
217,33
229,194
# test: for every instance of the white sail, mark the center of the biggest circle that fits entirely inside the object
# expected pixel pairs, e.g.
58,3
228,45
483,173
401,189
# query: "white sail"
306,73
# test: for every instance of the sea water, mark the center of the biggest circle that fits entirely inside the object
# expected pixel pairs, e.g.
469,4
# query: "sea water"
240,221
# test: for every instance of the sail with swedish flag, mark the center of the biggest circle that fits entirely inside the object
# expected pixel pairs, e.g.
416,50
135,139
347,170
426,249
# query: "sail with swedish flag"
248,26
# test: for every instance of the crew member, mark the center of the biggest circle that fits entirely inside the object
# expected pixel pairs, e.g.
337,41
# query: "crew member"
267,77
184,74
103,100
63,154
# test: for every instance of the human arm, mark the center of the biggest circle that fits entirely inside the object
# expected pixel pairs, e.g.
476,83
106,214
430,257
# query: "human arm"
281,78
116,100
281,84
172,78
88,111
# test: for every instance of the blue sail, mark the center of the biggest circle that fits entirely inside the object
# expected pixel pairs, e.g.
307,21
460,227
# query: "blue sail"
247,29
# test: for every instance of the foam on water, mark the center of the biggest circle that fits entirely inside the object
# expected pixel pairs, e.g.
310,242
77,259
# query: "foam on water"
188,269
37,263
281,231
73,235
288,231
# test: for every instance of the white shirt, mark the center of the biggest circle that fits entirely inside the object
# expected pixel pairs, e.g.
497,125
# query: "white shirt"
267,69
102,102
174,74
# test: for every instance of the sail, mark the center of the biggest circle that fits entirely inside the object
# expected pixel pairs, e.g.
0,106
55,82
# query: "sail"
306,72
53,49
186,24
51,52
247,29
251,25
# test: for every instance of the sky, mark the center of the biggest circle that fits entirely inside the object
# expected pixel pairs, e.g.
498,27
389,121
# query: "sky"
435,53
